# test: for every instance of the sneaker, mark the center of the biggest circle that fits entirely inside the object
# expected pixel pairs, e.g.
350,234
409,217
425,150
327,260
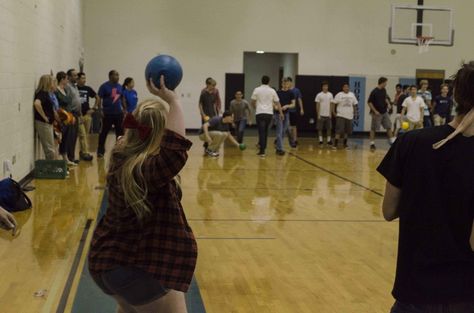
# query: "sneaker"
330,143
100,155
261,154
86,157
320,144
76,161
212,153
334,147
347,147
293,146
372,147
280,152
71,164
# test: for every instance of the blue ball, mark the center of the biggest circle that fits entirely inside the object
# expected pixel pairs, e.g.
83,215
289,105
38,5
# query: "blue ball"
167,66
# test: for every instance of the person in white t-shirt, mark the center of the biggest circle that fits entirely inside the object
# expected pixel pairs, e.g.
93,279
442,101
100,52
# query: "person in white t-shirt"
344,111
324,101
427,97
413,108
265,100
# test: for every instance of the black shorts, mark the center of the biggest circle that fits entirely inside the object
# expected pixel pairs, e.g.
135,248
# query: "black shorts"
293,118
343,126
135,286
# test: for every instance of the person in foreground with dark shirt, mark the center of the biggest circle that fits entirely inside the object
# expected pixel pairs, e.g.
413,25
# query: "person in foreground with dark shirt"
143,252
430,188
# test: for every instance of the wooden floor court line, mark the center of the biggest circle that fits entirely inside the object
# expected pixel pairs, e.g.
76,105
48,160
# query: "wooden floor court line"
235,238
283,220
335,174
75,265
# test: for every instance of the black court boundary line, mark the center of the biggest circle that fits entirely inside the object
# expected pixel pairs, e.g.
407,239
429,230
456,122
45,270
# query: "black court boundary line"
282,220
75,265
336,175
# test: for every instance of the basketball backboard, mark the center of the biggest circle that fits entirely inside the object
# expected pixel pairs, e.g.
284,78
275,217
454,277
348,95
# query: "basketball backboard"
411,21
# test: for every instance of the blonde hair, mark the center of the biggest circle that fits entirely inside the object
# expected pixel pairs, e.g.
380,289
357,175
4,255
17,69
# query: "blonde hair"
45,83
132,153
424,82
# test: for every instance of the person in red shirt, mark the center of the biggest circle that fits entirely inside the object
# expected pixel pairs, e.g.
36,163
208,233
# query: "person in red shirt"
143,252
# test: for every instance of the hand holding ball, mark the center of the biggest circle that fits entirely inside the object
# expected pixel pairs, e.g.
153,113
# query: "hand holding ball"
167,66
405,125
206,118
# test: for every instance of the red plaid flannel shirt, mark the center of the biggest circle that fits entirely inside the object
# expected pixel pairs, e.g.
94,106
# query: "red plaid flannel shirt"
164,244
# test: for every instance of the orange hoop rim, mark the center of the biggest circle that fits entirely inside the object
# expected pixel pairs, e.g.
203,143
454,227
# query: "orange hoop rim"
424,39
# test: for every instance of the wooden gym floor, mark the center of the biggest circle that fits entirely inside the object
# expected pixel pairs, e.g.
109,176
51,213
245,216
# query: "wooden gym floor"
299,233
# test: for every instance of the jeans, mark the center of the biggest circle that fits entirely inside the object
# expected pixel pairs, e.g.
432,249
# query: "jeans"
281,128
427,121
240,127
68,141
107,122
263,123
399,307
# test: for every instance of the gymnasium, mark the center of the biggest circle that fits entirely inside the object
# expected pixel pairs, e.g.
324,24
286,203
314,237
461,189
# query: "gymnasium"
267,200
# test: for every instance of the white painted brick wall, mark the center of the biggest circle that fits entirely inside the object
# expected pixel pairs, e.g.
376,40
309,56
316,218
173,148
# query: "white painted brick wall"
36,36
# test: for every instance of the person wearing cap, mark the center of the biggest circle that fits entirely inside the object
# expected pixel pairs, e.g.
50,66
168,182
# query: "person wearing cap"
430,188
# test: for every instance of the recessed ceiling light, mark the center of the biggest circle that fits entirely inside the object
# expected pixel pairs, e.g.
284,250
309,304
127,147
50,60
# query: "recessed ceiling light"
260,52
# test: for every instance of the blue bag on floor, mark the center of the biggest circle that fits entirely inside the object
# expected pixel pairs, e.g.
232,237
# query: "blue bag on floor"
12,197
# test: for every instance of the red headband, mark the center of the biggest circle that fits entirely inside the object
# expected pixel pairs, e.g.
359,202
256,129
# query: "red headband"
131,123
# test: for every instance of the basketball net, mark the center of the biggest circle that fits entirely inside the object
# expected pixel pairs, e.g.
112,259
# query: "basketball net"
424,43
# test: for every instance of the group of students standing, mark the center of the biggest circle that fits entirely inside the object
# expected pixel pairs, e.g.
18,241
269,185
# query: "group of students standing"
281,107
63,112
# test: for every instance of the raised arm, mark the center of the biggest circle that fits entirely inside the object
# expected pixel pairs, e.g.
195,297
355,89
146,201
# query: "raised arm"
175,120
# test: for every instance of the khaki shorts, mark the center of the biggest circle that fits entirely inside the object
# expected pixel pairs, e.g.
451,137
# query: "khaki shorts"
415,125
324,123
381,120
438,120
343,126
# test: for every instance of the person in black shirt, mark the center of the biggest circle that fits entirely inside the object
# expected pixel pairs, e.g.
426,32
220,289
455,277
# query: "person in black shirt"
287,102
397,124
45,115
442,106
430,188
379,107
86,93
209,101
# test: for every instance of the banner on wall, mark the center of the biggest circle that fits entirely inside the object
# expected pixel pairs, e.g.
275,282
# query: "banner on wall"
357,86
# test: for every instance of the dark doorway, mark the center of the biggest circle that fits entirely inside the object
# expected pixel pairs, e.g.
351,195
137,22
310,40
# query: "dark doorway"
233,82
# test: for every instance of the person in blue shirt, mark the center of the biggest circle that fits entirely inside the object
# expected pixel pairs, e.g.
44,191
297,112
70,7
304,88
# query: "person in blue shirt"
110,94
298,109
130,97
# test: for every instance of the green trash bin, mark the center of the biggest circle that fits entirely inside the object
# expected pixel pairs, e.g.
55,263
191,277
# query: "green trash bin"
50,169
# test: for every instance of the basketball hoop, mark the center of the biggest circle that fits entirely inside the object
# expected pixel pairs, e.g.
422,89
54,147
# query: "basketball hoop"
423,43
